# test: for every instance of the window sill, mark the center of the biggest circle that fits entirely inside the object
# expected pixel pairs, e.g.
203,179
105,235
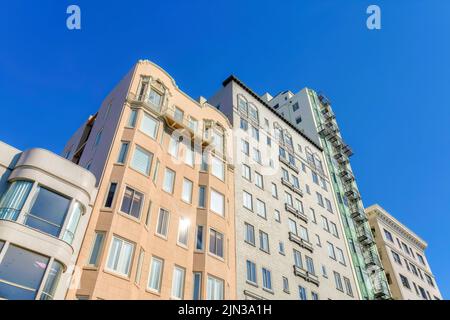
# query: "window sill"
268,290
117,275
127,216
216,257
161,236
254,284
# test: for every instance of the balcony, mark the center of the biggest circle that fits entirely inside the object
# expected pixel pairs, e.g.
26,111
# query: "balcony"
289,164
288,184
357,213
336,141
144,101
328,114
364,236
371,258
346,175
347,150
352,193
380,286
295,212
301,242
307,276
341,158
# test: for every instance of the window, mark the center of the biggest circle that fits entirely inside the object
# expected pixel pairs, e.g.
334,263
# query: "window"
132,118
178,282
298,120
324,272
214,288
331,252
295,182
274,191
193,124
202,196
48,292
263,241
302,293
257,155
295,107
21,273
155,98
338,281
173,147
340,256
429,280
268,141
421,259
325,224
288,199
348,287
247,200
246,173
298,259
120,256
259,180
186,195
199,242
281,248
123,152
218,168
328,205
267,279
249,234
315,177
217,203
197,288
155,172
285,285
169,180
255,133
251,272
48,212
298,205
285,174
183,231
319,199
132,202
405,281
277,216
312,215
405,248
310,265
218,139
156,271
303,232
261,209
96,248
98,137
189,155
318,243
252,112
314,295
149,126
245,147
334,230
244,124
142,160
396,257
216,243
110,196
137,278
292,226
162,225
178,114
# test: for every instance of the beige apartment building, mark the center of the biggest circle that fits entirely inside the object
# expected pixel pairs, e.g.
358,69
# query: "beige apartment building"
45,206
163,224
403,257
289,238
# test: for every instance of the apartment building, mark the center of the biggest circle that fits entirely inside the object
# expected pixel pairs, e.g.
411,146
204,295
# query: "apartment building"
289,239
312,114
403,257
163,223
45,205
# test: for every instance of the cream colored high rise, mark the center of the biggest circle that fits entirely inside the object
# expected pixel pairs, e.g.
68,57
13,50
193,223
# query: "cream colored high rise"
403,257
163,223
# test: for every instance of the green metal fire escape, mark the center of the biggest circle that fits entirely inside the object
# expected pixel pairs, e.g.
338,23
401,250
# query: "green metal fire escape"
369,271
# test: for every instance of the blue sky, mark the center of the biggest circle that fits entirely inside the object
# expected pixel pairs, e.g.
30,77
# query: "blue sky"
388,87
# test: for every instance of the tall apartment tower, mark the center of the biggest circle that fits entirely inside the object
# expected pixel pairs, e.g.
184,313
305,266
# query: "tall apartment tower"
402,254
289,241
312,114
45,206
163,223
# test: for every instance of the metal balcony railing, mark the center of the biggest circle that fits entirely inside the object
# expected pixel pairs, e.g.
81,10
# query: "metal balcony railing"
364,236
352,193
346,175
306,275
371,258
301,242
357,213
341,158
380,286
347,150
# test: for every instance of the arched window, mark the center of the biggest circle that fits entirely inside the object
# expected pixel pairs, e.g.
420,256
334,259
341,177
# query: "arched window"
253,112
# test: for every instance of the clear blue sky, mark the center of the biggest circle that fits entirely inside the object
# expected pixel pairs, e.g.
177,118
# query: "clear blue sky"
389,87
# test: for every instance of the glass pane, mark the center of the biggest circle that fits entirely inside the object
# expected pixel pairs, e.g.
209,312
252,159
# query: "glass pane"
142,161
14,199
197,286
72,225
52,281
149,125
127,200
98,242
22,268
48,212
136,205
155,274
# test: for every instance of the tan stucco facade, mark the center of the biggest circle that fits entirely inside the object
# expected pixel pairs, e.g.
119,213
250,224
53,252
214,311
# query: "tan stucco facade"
403,257
99,281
